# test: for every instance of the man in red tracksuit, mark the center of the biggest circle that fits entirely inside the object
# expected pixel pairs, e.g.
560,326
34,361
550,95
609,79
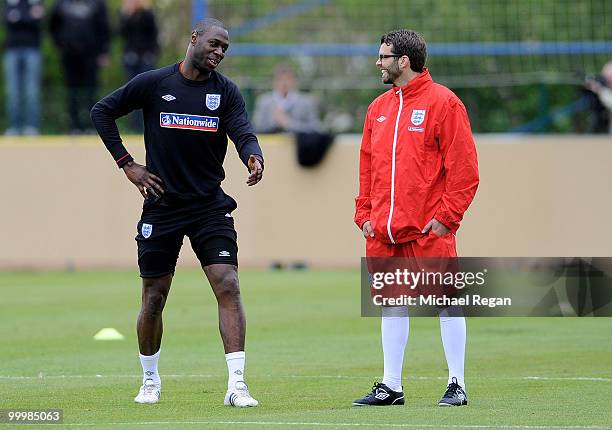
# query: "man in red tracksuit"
418,175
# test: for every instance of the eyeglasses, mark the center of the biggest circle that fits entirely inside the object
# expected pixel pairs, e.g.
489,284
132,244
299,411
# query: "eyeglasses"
383,56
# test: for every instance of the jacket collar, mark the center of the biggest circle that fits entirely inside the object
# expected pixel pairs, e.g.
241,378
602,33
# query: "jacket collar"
417,85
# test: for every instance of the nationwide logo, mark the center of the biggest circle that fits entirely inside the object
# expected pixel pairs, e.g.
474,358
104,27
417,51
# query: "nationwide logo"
188,121
419,129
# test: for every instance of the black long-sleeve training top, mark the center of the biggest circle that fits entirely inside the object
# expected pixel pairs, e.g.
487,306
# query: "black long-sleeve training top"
186,126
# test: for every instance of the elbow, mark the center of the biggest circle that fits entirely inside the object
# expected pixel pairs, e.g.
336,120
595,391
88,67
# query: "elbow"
96,112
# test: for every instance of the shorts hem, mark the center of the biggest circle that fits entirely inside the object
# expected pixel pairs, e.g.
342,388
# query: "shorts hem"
156,275
219,261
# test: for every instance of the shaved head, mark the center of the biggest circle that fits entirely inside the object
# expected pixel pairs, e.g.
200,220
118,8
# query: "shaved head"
206,24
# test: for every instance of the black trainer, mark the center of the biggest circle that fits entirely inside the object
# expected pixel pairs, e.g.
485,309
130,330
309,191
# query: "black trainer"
381,395
454,396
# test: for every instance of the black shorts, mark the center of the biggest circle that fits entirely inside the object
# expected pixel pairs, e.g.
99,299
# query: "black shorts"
165,222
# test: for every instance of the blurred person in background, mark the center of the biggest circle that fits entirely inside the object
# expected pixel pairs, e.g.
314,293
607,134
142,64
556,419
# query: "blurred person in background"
139,31
22,65
285,109
288,110
601,86
418,174
80,31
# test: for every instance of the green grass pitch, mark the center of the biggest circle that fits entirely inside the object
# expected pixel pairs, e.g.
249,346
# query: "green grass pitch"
309,354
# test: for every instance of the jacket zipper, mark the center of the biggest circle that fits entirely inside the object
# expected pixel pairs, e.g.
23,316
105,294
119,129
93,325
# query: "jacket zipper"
397,119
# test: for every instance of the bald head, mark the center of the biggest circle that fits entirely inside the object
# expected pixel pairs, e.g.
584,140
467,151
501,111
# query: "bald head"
206,24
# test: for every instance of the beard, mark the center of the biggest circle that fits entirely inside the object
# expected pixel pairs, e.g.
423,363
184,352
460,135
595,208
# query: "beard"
392,73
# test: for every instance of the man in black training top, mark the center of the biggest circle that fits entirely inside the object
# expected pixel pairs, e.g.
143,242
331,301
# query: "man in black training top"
189,112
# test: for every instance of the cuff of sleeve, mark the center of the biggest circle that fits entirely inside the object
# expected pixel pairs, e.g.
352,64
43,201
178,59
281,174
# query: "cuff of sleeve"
261,160
447,221
361,221
122,161
362,212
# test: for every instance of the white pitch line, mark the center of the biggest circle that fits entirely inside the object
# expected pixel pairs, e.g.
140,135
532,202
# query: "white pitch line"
43,376
424,378
378,424
570,378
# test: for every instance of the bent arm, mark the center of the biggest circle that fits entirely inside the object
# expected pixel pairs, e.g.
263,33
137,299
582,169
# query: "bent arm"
363,205
239,129
460,164
131,96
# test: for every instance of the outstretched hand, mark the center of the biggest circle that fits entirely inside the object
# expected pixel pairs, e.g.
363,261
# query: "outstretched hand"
145,181
255,170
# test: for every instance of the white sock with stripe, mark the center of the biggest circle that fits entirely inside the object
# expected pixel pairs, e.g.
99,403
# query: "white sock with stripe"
149,367
235,368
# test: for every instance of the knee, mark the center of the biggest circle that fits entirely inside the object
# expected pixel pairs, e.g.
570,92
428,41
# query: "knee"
227,287
153,300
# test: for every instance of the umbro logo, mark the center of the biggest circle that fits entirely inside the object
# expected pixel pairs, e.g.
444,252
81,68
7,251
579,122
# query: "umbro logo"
228,215
381,118
224,254
238,372
168,97
381,395
149,373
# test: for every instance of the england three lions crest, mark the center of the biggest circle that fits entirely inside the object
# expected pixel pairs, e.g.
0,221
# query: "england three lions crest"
146,230
213,101
418,116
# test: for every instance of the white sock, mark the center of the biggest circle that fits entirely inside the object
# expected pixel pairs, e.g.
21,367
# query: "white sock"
394,338
452,330
235,368
149,367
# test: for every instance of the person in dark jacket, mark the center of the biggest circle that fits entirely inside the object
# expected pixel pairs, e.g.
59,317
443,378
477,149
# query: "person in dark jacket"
80,31
22,65
138,29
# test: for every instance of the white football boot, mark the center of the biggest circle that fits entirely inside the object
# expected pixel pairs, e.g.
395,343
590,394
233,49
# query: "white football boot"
239,396
149,392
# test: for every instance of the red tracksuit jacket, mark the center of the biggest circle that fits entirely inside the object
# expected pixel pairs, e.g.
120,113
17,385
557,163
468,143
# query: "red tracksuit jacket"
417,161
